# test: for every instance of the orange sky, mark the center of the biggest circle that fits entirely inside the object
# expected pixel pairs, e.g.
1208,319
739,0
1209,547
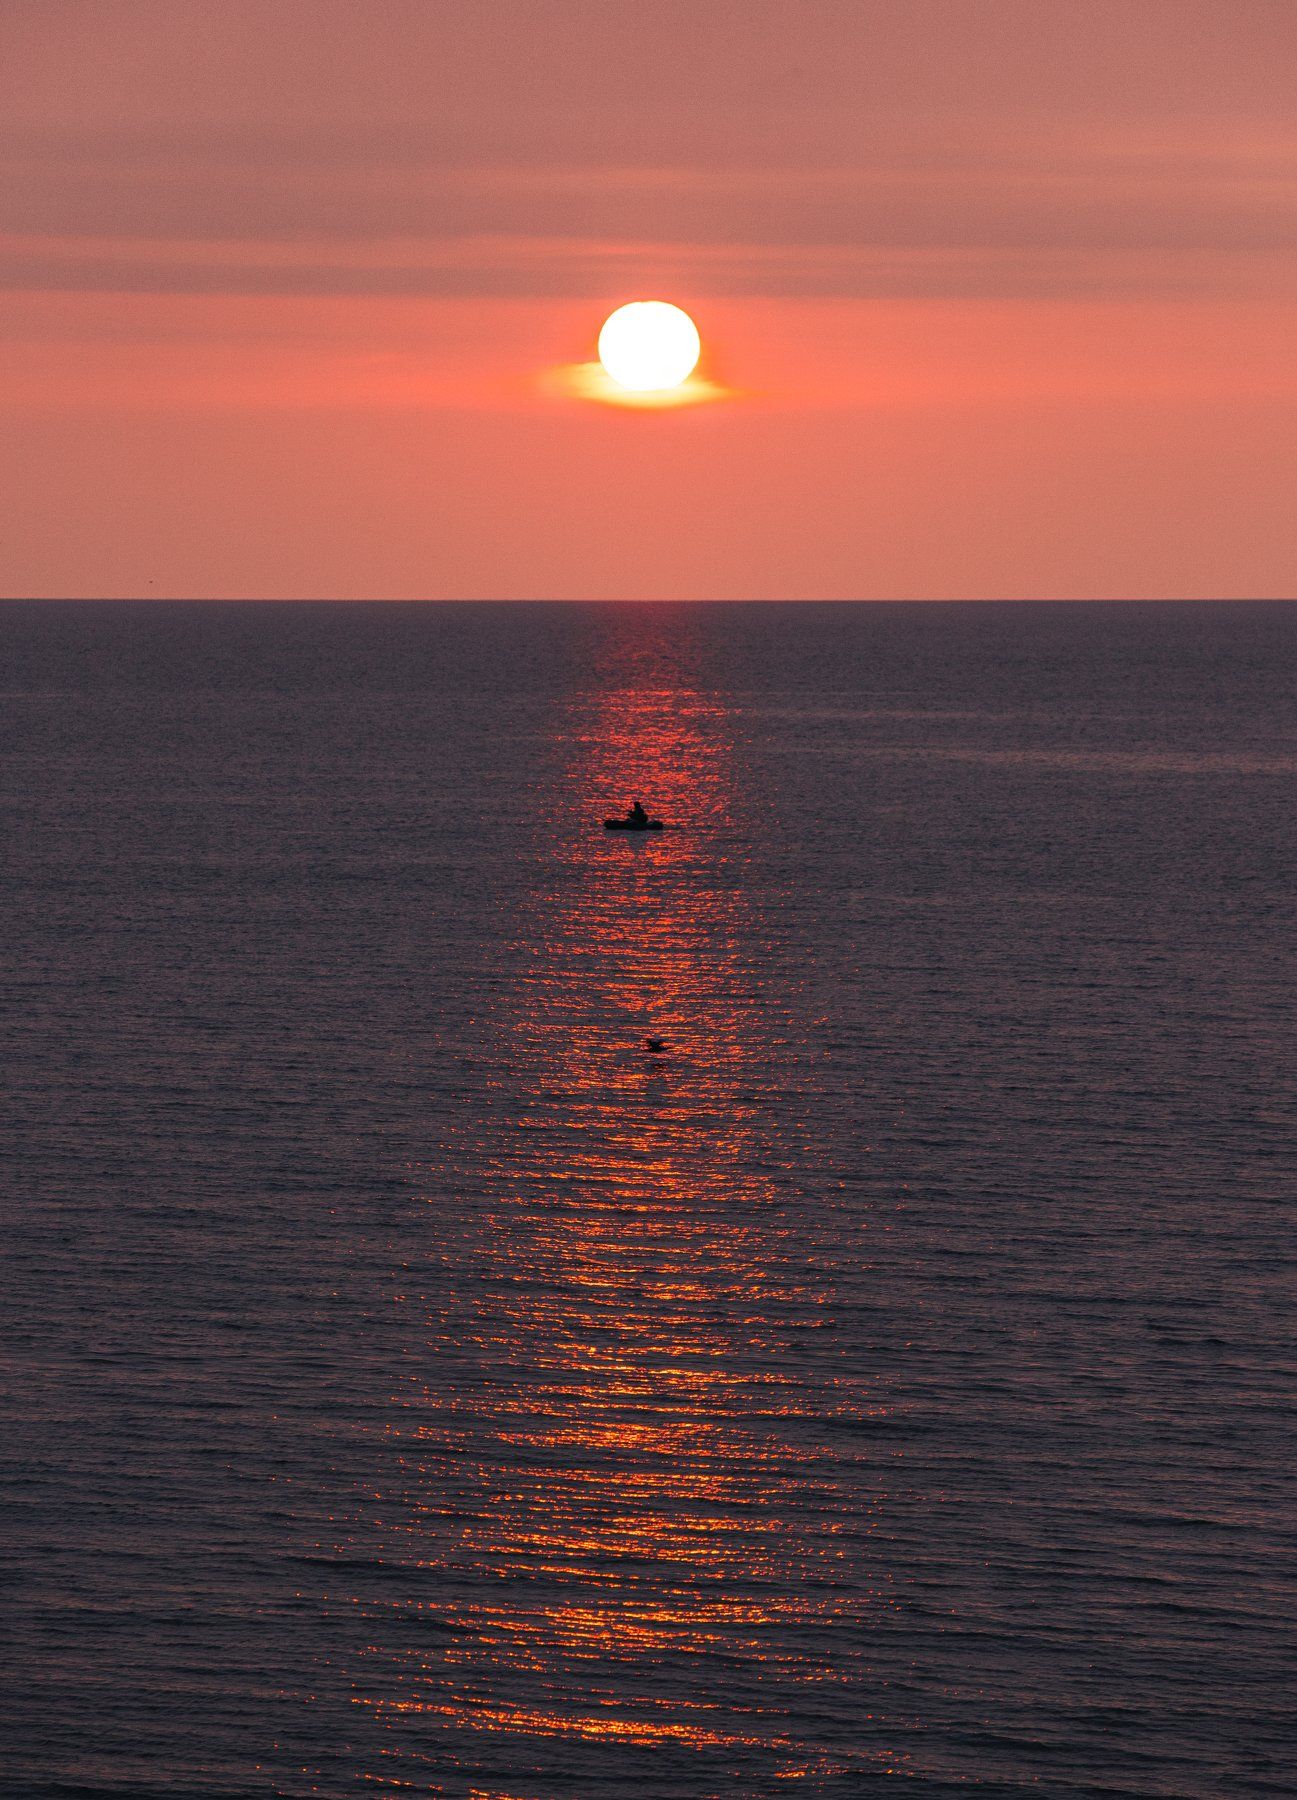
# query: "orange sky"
1003,290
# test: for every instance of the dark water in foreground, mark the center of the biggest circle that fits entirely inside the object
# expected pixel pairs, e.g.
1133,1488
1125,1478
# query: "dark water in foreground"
415,1387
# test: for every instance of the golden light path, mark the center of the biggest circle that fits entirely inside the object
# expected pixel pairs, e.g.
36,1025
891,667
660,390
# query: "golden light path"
615,1522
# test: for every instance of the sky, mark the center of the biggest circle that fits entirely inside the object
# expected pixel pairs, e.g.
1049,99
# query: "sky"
997,297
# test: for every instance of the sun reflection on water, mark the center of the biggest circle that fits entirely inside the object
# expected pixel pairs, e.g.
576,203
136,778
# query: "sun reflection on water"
619,1522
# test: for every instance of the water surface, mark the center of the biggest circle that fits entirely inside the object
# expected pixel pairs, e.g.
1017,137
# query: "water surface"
414,1385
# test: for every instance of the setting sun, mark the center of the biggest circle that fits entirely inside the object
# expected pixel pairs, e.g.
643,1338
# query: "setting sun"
649,346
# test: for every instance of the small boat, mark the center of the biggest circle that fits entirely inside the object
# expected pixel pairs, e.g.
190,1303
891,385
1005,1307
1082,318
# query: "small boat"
633,825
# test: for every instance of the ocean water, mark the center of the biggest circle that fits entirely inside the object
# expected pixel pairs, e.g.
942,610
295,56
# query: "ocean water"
414,1385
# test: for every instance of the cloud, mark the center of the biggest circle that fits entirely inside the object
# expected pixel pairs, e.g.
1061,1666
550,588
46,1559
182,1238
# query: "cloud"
553,147
590,381
1057,213
504,267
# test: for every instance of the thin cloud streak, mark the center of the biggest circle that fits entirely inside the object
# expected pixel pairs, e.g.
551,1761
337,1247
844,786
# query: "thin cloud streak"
815,356
1057,216
544,267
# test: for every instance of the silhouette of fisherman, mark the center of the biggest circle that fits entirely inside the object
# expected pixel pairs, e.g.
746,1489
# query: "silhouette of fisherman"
637,815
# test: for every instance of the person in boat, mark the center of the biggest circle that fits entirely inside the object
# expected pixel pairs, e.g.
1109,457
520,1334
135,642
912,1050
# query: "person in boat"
637,815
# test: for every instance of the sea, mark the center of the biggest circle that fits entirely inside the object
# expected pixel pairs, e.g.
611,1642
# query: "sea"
414,1383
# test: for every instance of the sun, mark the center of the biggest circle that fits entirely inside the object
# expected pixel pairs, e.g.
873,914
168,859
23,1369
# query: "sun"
649,357
649,346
